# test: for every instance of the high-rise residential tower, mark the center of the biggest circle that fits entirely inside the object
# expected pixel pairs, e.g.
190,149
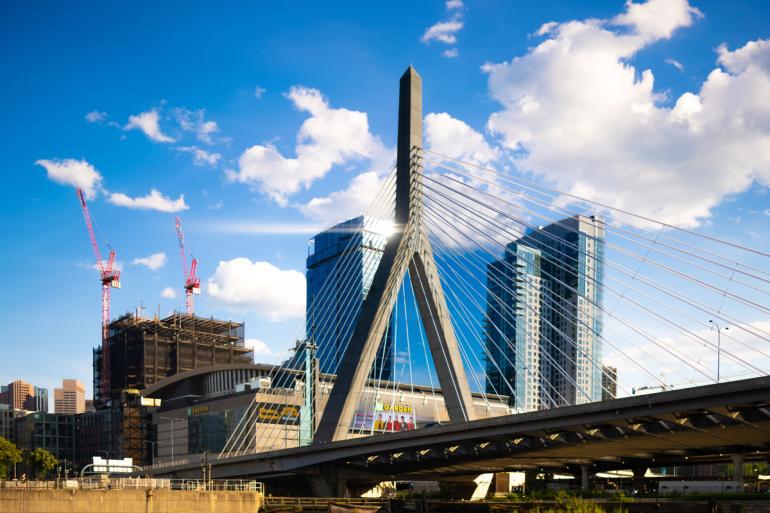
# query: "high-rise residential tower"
550,331
340,269
70,398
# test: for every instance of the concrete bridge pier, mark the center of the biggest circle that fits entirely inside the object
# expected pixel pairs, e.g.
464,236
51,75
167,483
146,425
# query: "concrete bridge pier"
585,477
328,482
738,460
639,473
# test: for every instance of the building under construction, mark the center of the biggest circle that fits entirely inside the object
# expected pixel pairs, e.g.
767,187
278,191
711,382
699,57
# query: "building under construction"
143,351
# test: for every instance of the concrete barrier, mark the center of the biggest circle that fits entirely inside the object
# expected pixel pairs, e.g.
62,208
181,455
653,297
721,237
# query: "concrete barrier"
128,501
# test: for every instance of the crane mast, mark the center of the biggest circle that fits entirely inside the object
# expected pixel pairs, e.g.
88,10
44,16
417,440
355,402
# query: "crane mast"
109,277
192,284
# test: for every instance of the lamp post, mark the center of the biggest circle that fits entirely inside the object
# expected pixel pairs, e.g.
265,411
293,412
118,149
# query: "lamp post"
719,342
172,420
152,449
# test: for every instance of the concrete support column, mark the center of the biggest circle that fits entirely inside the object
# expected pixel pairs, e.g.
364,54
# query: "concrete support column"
585,477
639,473
738,460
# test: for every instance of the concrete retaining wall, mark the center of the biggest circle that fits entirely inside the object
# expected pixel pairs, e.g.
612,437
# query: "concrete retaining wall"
128,501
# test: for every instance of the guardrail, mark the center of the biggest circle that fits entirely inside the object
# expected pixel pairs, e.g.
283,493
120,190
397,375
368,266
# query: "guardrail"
325,501
141,483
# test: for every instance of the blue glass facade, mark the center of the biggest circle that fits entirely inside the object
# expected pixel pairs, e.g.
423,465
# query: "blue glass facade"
564,291
340,270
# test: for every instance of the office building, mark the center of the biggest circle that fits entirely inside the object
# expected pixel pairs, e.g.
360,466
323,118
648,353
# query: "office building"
41,399
57,433
609,382
70,398
8,421
340,270
544,323
20,395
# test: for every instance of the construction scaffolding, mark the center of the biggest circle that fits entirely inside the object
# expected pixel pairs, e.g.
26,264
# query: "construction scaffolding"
146,350
143,351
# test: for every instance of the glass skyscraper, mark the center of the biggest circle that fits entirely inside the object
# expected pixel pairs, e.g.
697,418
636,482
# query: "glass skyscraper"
340,270
544,320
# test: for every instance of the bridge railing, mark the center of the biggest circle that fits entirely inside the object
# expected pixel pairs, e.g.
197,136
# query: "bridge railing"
137,483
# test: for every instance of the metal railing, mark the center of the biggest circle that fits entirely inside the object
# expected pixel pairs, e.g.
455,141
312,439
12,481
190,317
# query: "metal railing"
137,483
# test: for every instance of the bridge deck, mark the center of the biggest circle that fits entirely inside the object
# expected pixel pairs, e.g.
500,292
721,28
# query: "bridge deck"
698,424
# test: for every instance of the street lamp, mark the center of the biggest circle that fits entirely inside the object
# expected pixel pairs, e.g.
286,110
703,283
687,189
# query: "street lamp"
719,342
172,420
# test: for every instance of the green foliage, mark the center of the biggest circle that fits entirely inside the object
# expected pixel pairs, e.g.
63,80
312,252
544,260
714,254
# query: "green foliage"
9,456
42,462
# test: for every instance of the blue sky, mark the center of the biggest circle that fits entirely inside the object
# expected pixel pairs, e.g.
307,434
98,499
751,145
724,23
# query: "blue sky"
238,83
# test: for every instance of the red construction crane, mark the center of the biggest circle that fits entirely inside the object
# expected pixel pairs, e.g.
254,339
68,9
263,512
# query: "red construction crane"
110,278
192,284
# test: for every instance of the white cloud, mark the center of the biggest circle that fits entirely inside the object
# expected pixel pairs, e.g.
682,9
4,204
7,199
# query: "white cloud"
675,63
153,201
76,173
327,138
454,138
450,53
454,4
580,115
152,262
195,121
341,205
259,286
200,156
657,19
443,31
168,293
117,265
148,122
259,92
262,351
96,116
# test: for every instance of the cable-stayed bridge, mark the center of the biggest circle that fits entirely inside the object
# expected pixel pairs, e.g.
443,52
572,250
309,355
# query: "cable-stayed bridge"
509,309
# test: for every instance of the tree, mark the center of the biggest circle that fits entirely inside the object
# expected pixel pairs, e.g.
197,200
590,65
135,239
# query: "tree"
42,461
10,455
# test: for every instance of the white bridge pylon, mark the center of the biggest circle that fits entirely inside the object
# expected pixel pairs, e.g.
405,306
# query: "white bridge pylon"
408,248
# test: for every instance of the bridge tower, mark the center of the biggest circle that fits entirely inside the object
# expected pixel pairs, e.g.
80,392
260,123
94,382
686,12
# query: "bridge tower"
408,248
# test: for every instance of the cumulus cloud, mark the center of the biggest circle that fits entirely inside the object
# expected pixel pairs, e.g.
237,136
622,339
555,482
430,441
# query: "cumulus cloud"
345,204
274,293
96,116
454,138
149,123
446,31
168,293
579,114
76,173
153,201
262,351
201,157
195,121
327,138
152,262
259,92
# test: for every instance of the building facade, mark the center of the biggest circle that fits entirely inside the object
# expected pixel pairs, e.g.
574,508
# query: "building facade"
20,395
340,270
544,318
8,422
54,432
609,382
70,398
